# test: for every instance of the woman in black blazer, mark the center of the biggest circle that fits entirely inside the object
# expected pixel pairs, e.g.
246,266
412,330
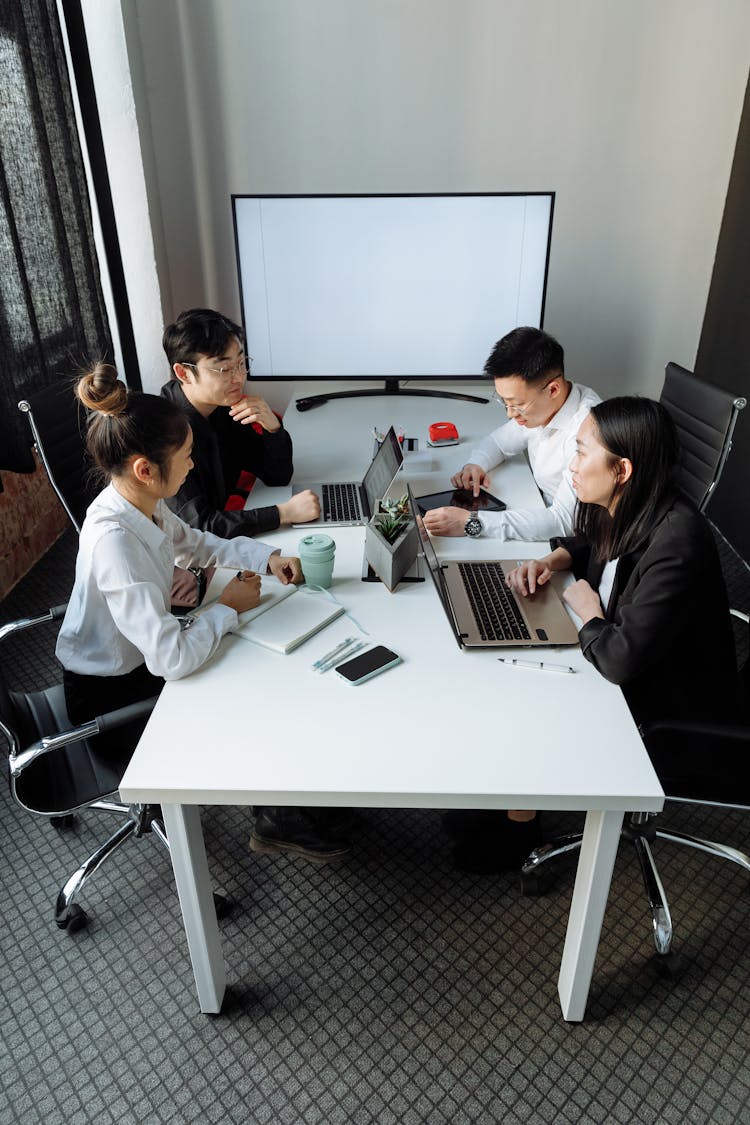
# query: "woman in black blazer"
649,589
649,593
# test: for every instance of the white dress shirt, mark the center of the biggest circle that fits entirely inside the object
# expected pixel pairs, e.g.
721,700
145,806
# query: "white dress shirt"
550,450
118,615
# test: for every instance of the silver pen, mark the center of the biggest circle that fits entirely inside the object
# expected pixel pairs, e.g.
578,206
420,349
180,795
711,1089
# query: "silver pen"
334,651
342,656
537,665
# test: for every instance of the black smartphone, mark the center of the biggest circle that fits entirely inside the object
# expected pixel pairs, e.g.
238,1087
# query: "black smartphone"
367,665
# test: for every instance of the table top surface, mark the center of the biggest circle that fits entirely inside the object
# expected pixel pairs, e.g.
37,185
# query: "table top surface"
446,728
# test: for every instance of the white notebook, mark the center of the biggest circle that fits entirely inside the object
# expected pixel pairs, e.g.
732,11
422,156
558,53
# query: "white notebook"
286,616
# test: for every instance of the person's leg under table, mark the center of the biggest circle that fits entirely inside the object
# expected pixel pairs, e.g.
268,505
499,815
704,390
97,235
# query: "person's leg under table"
601,835
188,853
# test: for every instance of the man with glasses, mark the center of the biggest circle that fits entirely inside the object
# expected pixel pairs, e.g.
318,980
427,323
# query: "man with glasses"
544,412
236,435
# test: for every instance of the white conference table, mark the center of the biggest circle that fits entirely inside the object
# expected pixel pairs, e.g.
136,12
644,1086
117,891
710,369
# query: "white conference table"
471,732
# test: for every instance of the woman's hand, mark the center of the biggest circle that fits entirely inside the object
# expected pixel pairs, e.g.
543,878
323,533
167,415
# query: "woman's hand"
524,578
286,569
583,600
243,592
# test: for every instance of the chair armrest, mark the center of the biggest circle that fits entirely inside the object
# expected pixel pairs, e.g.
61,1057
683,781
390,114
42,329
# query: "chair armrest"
53,614
100,725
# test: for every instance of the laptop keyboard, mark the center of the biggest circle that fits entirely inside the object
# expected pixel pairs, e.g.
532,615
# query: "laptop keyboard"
496,613
341,502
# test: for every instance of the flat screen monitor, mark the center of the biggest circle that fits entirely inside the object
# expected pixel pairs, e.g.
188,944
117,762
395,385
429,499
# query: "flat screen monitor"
388,287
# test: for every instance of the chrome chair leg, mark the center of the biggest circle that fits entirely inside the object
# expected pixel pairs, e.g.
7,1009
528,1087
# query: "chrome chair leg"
660,915
722,851
67,913
158,830
562,845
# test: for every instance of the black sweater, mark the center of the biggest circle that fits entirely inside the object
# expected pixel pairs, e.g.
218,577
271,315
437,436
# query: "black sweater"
222,449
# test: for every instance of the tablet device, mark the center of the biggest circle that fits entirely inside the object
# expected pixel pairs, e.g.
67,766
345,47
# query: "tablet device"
460,498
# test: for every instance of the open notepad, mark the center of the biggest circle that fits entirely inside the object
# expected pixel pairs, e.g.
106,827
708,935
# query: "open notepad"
285,617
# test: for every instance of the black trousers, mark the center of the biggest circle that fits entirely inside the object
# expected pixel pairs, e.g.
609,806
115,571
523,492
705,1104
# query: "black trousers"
89,696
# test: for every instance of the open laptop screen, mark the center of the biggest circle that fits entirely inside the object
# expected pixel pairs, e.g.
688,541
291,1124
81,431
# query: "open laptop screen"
433,564
385,465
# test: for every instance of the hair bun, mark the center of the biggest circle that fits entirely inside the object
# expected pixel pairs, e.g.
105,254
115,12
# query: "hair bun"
100,389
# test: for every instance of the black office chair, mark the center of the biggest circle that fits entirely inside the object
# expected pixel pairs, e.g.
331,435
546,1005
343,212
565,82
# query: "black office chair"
705,418
57,768
697,763
58,427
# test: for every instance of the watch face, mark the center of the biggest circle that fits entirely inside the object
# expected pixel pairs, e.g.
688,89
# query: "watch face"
473,526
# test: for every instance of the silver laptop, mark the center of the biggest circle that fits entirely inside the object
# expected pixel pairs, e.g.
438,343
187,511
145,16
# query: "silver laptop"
347,503
483,612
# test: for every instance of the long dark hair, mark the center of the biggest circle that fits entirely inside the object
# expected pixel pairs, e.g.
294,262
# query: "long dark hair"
642,431
125,424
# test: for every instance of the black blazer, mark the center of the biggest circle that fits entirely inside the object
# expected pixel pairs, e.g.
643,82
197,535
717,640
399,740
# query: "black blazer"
222,449
667,638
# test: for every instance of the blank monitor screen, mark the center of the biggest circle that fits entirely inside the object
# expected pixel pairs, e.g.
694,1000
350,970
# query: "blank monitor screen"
388,286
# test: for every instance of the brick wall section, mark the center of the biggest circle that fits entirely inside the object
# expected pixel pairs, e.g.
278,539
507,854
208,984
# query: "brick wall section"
31,519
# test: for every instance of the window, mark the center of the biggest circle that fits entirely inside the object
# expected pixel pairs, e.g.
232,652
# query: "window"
52,313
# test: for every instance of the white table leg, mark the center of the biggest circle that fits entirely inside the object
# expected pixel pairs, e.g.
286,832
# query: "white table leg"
185,834
601,836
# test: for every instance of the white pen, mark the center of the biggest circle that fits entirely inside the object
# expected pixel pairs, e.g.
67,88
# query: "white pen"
347,652
538,665
334,652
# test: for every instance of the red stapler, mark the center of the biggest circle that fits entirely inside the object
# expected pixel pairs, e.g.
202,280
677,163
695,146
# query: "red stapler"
442,433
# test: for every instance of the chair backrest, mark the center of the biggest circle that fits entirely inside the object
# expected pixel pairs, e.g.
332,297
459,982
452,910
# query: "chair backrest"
705,416
58,426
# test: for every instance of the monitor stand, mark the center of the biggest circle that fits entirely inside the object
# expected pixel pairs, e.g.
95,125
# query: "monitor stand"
392,387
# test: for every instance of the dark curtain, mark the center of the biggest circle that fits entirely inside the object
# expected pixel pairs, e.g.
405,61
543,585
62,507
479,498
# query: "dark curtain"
52,314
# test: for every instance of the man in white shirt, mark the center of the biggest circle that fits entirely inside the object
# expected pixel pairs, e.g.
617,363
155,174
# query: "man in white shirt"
544,412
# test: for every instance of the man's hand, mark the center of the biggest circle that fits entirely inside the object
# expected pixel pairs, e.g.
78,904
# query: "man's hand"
253,408
303,507
524,578
473,477
583,600
446,521
286,569
243,592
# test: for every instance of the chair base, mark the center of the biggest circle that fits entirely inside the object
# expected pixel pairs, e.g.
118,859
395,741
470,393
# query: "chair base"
140,819
641,831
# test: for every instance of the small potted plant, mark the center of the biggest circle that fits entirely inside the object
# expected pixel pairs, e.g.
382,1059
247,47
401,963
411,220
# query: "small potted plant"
391,541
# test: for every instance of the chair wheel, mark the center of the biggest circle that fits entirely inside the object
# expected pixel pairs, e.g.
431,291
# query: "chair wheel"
532,885
75,920
223,905
670,966
63,822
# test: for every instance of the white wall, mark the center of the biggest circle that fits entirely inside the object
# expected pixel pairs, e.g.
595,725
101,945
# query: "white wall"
123,151
628,110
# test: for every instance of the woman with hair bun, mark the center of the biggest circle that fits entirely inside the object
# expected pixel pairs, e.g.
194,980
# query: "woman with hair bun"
119,641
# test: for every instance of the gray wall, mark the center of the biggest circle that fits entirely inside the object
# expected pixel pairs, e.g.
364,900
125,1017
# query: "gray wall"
724,351
629,111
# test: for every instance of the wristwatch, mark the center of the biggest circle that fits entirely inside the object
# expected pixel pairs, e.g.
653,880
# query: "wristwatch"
473,526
